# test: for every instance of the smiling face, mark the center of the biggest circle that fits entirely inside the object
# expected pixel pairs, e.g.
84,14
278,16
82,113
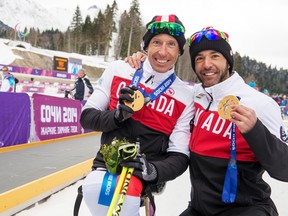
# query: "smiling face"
211,67
163,52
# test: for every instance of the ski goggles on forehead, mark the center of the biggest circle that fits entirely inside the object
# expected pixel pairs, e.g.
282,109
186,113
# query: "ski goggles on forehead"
174,29
210,34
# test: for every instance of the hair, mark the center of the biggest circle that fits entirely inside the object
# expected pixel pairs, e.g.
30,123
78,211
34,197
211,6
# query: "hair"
81,70
5,67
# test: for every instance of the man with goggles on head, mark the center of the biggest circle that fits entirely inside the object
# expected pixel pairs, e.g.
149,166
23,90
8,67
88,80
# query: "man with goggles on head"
229,154
151,106
237,135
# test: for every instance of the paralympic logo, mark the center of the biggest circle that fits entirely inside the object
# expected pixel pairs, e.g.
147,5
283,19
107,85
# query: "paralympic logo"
20,34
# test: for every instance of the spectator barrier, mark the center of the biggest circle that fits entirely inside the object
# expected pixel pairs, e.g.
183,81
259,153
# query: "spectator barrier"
42,117
39,72
15,118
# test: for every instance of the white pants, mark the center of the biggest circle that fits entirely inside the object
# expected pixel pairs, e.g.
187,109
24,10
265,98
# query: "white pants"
98,189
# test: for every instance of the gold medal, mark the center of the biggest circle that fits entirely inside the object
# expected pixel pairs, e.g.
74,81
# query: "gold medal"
138,102
224,106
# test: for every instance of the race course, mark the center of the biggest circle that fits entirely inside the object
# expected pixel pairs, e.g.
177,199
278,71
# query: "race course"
32,172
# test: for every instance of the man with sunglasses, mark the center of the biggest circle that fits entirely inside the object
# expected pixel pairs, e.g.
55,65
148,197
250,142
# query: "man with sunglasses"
230,153
150,106
8,81
237,135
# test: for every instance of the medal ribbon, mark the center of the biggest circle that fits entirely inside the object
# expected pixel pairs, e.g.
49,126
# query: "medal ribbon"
231,180
230,184
159,90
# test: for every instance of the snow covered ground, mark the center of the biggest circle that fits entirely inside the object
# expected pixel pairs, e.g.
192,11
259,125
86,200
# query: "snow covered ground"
171,202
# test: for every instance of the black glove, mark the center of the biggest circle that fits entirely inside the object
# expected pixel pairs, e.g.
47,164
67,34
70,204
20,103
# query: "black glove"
124,112
67,92
142,168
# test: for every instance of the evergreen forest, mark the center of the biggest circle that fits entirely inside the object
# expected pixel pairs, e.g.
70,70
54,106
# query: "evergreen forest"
95,36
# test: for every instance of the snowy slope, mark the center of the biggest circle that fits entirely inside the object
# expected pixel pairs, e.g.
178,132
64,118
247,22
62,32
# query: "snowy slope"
33,13
29,13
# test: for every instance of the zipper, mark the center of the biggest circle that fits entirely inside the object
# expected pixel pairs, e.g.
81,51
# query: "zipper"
211,100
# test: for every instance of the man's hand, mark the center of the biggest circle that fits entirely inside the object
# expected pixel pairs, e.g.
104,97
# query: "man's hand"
142,168
135,60
124,112
244,118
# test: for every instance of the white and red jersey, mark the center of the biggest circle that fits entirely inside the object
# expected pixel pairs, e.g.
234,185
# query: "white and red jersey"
161,125
262,148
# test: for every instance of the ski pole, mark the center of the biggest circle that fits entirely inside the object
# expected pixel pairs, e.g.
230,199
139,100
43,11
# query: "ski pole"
117,191
127,151
147,206
119,205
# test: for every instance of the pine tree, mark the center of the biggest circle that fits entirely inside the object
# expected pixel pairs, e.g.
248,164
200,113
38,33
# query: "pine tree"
87,32
135,28
99,32
131,31
110,26
237,64
121,34
76,28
